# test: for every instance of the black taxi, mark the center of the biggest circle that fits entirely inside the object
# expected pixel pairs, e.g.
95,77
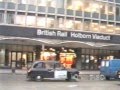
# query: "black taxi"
51,70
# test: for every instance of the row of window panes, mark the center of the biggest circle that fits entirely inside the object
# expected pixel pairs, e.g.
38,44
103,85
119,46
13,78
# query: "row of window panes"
90,62
49,3
59,22
99,51
79,5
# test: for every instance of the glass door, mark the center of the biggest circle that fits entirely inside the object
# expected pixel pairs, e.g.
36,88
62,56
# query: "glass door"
13,59
18,60
21,59
29,59
24,59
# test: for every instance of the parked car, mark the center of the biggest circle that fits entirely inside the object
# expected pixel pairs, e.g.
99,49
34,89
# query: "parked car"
51,70
118,74
109,68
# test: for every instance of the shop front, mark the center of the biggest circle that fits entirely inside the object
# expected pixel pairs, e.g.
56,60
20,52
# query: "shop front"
64,55
84,51
17,56
20,60
81,58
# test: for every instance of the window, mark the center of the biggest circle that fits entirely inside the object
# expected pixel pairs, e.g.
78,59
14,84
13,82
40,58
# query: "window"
10,18
87,25
58,65
110,28
103,27
32,2
2,57
87,7
111,9
50,22
60,3
31,20
78,25
117,11
51,3
107,64
87,59
2,0
69,24
38,65
41,21
42,2
49,65
117,29
75,4
60,22
1,17
83,51
13,1
23,1
69,4
103,63
94,7
104,8
94,26
20,20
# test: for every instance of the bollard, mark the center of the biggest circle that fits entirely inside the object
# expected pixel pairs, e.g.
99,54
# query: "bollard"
13,70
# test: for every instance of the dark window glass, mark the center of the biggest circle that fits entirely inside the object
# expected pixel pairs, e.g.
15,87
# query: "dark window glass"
1,17
38,65
117,11
10,18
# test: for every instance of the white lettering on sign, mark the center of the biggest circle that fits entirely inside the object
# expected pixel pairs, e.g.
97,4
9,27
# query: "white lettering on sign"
46,32
62,34
80,35
100,37
66,34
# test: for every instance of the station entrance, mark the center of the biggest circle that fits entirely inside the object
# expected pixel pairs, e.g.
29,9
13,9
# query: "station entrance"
20,54
20,59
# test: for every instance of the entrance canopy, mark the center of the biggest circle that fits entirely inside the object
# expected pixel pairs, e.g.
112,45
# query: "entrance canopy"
57,43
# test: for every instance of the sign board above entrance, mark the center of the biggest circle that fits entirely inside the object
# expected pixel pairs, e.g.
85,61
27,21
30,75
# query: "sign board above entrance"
26,32
73,35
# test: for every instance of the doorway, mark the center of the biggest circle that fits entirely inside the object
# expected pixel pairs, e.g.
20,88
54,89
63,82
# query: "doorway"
20,60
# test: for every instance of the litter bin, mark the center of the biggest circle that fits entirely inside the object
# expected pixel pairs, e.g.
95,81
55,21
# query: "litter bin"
13,69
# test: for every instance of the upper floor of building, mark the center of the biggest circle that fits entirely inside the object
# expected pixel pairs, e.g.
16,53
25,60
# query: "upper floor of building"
102,16
100,9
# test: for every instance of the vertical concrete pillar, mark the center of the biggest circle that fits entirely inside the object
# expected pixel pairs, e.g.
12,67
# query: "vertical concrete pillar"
6,57
57,54
117,55
78,58
38,49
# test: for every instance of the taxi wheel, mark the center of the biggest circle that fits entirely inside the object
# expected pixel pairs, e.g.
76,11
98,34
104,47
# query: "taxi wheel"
38,78
76,77
102,77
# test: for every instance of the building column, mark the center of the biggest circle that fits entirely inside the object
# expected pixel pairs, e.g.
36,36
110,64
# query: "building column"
117,55
78,58
57,53
37,52
6,57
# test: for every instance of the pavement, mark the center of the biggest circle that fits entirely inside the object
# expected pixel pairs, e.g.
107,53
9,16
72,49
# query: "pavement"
84,75
19,82
24,71
8,71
